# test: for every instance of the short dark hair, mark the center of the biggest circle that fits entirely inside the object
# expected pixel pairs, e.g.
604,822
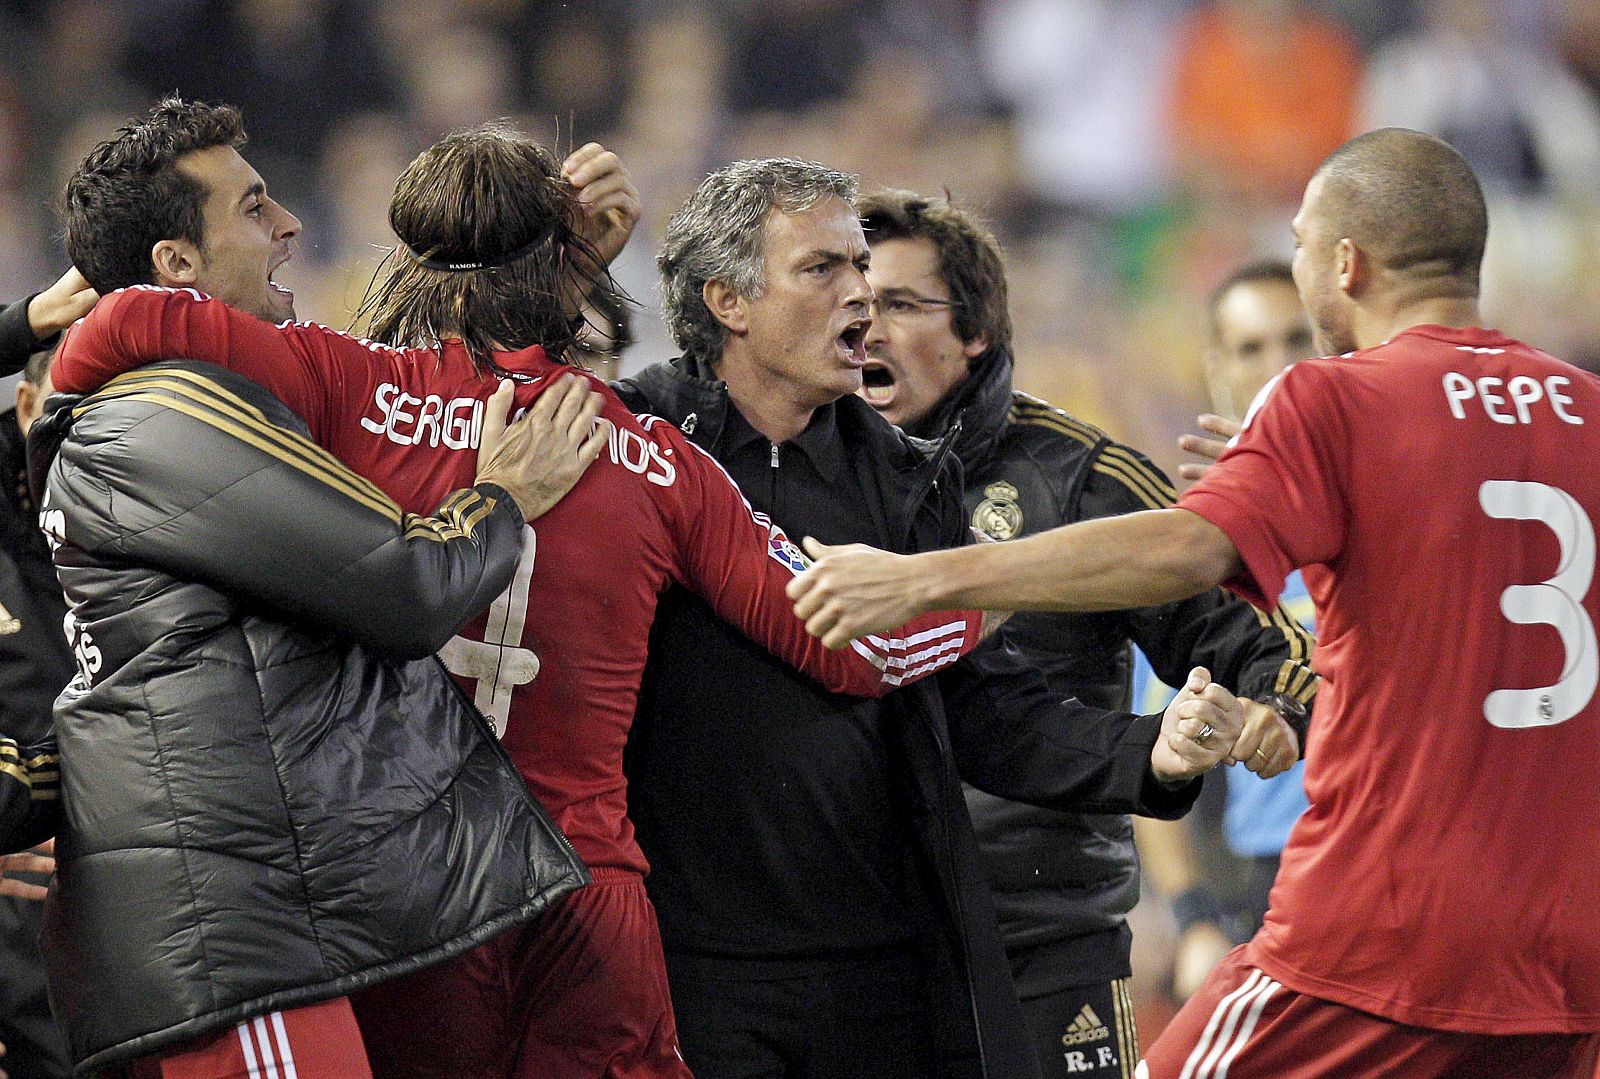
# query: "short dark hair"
969,259
489,248
128,195
38,365
1259,272
1412,201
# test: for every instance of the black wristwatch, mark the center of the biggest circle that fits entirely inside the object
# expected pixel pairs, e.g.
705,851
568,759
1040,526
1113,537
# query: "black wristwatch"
1294,713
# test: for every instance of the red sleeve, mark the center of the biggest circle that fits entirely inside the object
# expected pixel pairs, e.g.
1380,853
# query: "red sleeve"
145,324
1276,492
740,563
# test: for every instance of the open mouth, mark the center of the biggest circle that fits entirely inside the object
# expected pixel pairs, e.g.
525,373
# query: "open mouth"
877,384
281,290
853,342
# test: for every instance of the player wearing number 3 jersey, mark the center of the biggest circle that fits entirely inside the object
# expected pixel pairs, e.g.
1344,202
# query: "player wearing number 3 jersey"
1437,912
556,661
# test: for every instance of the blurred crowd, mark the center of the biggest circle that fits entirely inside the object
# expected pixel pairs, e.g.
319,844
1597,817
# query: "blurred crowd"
1129,152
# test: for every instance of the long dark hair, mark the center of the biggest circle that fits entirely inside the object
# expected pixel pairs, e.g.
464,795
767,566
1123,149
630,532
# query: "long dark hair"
489,251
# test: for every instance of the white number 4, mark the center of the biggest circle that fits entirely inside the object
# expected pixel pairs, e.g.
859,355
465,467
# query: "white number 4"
1555,602
499,663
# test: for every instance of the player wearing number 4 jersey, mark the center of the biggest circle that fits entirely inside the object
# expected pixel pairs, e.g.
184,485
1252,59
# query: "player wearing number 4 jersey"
1437,912
556,661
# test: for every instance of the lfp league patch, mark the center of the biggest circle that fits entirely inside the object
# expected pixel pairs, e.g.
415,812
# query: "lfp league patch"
784,552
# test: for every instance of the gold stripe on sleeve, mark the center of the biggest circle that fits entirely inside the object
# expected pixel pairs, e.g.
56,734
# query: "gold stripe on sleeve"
1145,472
273,448
1136,480
231,404
1039,415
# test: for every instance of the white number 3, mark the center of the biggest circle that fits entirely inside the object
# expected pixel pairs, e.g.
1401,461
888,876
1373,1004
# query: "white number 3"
1556,602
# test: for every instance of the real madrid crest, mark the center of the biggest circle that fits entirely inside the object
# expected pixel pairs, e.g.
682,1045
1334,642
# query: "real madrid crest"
998,516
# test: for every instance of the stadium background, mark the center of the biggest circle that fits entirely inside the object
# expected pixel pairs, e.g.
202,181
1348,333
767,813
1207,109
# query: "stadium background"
1129,152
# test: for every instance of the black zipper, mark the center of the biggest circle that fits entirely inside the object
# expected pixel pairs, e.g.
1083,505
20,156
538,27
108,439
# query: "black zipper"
912,503
915,499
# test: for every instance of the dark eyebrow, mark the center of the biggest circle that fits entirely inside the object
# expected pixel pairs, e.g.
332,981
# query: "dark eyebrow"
823,255
255,190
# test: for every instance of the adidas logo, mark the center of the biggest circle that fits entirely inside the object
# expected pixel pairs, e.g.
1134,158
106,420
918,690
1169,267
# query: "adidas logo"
1086,1028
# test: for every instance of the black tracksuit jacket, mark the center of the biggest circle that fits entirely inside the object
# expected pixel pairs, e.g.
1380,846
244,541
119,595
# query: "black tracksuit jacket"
988,718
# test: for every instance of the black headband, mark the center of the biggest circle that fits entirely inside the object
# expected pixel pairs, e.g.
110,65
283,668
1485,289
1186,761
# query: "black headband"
453,266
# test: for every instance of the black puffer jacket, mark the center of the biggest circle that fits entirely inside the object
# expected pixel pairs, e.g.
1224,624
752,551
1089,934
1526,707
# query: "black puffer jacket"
1064,882
261,812
988,718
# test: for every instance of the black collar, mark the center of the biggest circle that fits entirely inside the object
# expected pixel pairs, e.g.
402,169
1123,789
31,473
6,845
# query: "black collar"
982,403
819,441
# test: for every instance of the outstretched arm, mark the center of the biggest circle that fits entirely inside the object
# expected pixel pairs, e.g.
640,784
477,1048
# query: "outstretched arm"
1014,738
1108,564
739,561
147,324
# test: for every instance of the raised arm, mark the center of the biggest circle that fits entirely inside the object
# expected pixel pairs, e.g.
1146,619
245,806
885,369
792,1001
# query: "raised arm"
32,324
740,563
607,200
181,467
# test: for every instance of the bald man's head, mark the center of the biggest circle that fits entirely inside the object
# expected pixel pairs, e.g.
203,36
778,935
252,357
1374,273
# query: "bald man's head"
1411,202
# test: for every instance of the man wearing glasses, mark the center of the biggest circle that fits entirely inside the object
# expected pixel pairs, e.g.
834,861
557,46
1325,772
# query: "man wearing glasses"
939,366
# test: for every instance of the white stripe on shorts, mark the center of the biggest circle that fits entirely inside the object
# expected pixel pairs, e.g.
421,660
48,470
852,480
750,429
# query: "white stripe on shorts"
285,1054
1246,1029
1224,1035
269,1066
243,1030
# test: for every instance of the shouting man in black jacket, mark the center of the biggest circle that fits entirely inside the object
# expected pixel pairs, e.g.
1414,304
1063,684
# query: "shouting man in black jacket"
939,363
813,867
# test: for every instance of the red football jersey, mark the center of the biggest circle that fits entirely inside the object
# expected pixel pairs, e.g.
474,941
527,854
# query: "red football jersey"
555,662
1441,493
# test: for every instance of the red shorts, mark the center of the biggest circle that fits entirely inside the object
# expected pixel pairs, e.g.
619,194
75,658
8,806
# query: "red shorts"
319,1041
1245,1025
581,991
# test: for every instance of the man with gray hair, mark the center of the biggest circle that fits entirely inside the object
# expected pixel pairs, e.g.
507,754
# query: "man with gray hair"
813,867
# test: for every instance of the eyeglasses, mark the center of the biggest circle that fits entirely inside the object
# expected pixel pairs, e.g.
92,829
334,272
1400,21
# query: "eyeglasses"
896,306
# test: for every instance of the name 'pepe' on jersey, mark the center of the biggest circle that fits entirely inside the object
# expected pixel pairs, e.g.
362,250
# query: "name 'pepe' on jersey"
1439,490
555,661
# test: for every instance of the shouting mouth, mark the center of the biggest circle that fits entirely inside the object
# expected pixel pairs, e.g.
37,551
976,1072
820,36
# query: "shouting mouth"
273,285
852,343
877,384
